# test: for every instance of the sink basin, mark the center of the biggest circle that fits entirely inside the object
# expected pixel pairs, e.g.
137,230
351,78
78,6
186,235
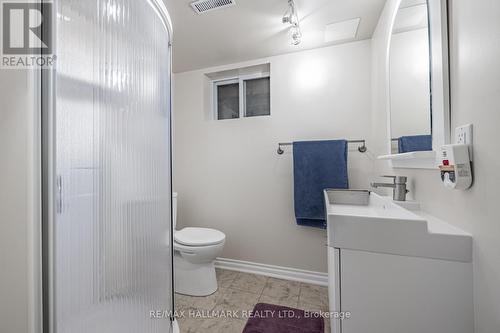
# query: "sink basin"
366,221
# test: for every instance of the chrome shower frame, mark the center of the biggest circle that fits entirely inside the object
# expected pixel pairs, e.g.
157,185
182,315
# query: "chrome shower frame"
45,87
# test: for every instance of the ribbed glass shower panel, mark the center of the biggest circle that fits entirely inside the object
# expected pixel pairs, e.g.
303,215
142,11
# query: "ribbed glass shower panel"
111,230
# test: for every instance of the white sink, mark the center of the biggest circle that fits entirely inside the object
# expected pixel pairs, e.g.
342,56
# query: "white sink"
363,220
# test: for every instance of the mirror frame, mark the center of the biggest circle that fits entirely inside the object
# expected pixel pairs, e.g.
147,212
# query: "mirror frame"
440,90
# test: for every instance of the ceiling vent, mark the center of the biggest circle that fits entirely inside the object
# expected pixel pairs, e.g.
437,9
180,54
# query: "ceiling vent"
204,6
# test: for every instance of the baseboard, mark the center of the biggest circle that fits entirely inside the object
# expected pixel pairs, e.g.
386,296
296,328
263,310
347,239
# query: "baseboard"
278,272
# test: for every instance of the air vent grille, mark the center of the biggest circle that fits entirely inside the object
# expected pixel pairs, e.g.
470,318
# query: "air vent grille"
203,6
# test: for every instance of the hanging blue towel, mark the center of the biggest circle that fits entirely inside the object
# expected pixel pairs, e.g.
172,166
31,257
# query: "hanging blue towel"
317,165
414,143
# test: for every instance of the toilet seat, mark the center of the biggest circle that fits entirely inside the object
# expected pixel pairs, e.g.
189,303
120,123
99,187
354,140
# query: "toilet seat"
199,237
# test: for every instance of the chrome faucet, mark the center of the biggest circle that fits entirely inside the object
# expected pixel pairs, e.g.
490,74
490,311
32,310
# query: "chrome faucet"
398,187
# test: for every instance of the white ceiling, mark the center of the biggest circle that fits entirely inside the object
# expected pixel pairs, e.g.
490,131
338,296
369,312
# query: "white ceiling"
252,29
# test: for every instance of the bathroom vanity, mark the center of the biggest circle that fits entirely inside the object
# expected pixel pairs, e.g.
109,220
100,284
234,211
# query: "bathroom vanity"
393,270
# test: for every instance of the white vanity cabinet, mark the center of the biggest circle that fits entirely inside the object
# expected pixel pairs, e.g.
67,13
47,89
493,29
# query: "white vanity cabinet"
397,294
396,271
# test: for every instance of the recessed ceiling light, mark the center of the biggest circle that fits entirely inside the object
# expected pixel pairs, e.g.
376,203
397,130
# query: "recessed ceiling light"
344,30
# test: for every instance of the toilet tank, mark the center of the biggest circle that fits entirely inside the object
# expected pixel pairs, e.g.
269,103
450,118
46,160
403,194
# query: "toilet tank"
174,209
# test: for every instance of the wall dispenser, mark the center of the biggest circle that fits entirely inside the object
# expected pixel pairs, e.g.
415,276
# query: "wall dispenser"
455,166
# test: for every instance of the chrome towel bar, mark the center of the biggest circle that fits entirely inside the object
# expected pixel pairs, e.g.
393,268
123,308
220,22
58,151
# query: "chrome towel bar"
361,149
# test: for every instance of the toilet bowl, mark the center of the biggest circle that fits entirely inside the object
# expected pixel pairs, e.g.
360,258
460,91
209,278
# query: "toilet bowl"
195,250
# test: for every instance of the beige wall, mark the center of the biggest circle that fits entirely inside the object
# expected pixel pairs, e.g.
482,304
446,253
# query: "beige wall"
475,75
228,174
17,204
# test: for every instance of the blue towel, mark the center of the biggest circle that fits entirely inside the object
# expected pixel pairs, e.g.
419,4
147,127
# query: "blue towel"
317,165
414,143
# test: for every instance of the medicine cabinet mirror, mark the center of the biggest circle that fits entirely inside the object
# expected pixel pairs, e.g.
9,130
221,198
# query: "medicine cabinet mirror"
418,83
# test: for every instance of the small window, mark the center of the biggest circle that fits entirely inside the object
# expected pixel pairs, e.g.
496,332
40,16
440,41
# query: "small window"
228,100
248,96
257,97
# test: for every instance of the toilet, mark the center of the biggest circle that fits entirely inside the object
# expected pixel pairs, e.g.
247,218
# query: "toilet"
195,250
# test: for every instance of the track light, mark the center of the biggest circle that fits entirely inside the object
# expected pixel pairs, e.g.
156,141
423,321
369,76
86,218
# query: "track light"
296,35
291,17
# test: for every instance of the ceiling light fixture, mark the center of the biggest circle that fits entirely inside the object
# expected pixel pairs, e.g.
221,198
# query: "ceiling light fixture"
291,17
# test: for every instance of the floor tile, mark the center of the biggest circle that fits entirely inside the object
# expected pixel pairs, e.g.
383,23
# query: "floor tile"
183,302
207,303
311,294
328,327
311,307
202,303
225,277
189,325
316,308
219,325
241,292
281,288
288,301
237,300
249,283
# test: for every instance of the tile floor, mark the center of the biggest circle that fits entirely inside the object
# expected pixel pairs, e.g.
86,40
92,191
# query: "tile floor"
241,292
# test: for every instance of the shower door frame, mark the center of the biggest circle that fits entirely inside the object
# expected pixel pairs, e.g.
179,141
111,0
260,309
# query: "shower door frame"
45,87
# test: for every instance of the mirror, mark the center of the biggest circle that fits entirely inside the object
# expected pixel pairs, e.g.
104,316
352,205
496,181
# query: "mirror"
410,79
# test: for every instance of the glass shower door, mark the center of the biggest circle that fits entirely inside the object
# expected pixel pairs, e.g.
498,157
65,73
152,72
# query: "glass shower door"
110,231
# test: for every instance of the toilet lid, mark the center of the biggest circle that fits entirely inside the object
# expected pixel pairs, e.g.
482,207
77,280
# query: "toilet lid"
199,236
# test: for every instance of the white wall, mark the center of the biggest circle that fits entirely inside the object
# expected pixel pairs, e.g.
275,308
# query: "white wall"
475,76
18,205
228,173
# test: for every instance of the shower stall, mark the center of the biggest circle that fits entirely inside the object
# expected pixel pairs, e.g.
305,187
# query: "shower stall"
106,169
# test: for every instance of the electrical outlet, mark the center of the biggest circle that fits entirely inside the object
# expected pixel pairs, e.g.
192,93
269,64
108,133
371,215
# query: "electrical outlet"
463,136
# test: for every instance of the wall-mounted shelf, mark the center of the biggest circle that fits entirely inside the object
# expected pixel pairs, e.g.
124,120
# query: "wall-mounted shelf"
413,160
410,155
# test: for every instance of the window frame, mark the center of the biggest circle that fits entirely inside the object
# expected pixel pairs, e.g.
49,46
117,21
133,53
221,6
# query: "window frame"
242,93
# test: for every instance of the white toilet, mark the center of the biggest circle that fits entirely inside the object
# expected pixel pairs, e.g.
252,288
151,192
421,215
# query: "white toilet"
195,250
